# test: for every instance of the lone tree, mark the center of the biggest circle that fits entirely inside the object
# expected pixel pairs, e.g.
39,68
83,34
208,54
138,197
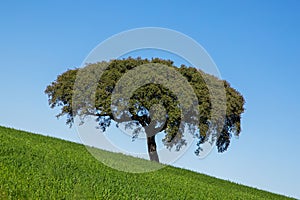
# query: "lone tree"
207,108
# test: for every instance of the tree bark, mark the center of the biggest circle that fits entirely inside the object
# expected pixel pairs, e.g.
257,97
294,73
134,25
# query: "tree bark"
152,148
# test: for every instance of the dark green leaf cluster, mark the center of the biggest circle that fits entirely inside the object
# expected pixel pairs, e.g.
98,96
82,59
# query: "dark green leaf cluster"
207,106
60,93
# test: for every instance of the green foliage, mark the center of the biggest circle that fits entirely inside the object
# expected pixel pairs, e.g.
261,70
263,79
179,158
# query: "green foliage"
37,167
219,106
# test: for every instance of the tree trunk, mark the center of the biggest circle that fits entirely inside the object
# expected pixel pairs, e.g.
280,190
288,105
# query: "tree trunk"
152,148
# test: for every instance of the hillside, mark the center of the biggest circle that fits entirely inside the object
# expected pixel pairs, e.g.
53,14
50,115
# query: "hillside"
37,167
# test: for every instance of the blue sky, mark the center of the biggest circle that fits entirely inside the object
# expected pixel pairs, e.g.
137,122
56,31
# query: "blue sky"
255,45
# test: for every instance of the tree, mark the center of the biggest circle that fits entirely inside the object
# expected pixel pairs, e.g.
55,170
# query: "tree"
196,103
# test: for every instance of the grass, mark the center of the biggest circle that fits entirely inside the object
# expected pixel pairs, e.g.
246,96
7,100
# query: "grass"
38,167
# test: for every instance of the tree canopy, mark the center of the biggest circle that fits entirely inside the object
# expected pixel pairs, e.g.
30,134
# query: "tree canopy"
151,96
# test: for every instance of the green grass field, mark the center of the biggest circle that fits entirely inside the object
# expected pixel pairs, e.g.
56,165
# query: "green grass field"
37,167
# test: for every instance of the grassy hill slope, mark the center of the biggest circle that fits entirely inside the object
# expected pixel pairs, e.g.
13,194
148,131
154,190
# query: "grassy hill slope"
38,167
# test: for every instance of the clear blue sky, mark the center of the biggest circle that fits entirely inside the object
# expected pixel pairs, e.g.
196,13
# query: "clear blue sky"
255,44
